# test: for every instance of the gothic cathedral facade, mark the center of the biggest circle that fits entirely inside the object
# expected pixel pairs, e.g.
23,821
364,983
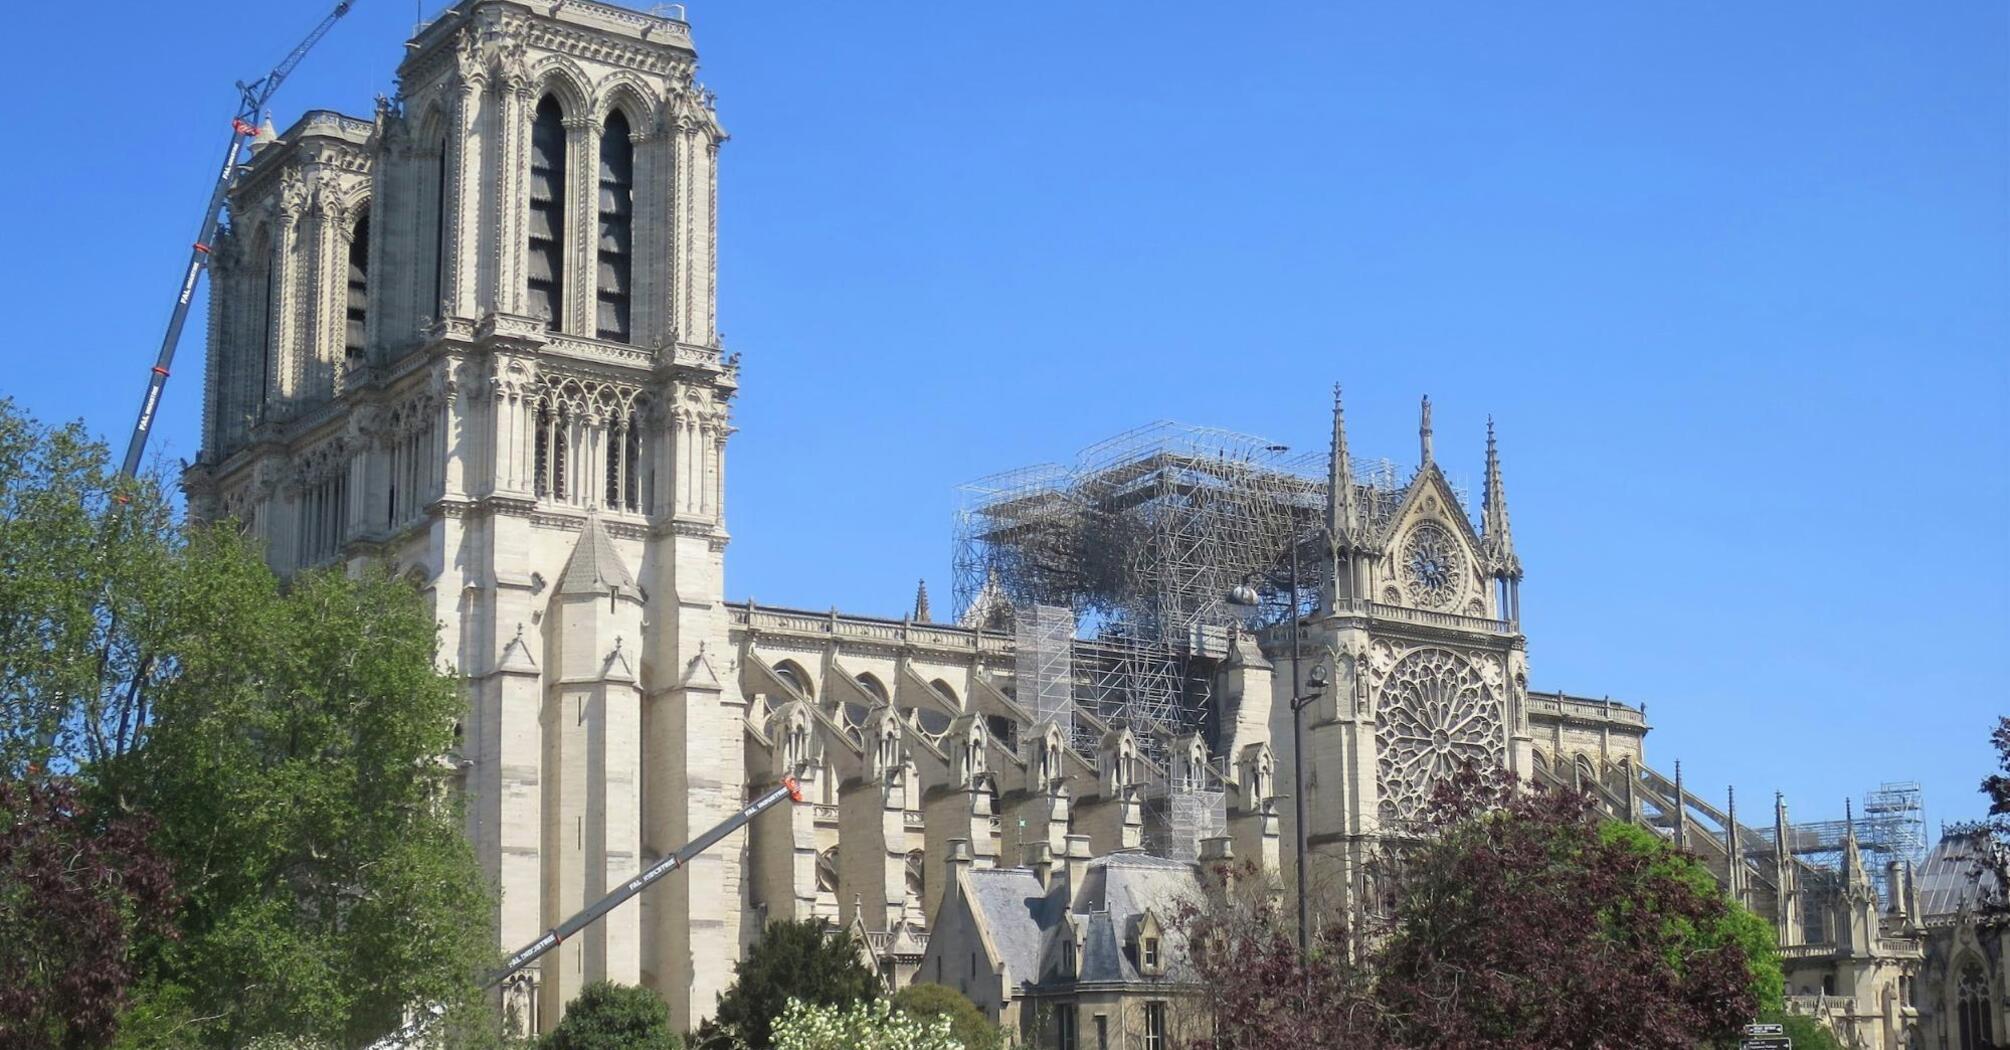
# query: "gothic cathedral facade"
473,337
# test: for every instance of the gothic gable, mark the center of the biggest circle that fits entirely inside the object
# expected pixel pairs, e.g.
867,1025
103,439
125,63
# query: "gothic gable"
1432,556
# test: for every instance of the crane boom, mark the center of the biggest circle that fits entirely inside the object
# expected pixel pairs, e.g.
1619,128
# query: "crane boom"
557,935
252,98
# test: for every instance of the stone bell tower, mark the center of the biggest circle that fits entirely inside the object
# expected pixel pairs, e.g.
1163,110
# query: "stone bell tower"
474,338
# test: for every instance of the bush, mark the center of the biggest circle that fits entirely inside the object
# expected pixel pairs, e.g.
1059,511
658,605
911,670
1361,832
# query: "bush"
860,1026
926,1002
609,1016
807,961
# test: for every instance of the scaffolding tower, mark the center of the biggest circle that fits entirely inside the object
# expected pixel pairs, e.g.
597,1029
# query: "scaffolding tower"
1043,666
1891,827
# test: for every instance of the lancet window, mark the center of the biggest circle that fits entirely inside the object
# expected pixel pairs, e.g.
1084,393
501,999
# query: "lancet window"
410,462
357,306
440,229
1972,1008
588,447
617,226
545,281
324,504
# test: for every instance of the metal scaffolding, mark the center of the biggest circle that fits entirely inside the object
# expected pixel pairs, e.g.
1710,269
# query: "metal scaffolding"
1143,538
1043,664
1891,827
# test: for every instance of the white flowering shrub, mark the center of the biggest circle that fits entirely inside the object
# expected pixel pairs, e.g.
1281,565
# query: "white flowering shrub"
859,1026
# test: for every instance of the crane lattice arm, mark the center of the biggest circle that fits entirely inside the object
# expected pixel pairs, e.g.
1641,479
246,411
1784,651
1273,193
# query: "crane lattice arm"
253,97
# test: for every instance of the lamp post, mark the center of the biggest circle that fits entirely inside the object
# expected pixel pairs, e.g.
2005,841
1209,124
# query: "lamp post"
1315,686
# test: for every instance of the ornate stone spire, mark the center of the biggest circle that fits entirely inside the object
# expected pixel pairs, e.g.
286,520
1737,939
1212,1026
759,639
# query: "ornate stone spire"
920,603
1498,537
1343,512
1854,874
1424,435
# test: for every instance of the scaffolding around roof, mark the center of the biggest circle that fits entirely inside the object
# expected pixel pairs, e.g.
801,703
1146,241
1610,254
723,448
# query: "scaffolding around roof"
1892,827
1142,538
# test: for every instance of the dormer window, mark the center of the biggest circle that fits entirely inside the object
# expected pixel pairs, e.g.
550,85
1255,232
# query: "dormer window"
1148,961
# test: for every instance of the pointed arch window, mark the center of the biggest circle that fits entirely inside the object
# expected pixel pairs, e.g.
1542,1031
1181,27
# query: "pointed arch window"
268,294
1972,1008
440,230
357,305
545,278
617,228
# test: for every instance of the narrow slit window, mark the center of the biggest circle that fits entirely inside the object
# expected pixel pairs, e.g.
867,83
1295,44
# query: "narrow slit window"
617,227
358,303
545,280
265,331
440,233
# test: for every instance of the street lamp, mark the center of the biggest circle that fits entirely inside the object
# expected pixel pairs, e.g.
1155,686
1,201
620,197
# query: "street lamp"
1315,687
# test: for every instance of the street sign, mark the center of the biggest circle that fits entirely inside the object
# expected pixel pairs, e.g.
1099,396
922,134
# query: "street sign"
1766,1042
1769,1028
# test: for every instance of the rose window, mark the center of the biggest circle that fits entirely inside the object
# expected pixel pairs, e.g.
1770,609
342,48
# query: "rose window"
1432,563
1436,717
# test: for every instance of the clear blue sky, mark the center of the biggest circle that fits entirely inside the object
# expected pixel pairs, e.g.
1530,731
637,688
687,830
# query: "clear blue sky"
1733,278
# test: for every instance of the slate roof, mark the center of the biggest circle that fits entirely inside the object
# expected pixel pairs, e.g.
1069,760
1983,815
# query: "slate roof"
1017,912
1117,890
1948,878
595,566
1125,884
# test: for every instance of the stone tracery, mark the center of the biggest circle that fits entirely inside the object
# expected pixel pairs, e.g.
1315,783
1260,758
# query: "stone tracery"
1437,714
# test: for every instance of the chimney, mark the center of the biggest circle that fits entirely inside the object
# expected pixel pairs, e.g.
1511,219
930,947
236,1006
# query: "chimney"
1217,864
1040,857
1076,867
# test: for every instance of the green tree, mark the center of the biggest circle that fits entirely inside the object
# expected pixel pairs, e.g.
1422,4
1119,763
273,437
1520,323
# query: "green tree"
86,563
286,742
609,1016
804,960
925,1002
296,764
1734,925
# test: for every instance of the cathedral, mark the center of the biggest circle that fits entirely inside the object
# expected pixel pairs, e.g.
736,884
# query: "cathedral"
472,337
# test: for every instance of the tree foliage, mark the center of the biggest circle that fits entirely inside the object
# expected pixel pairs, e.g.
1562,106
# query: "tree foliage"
1995,873
926,1002
1521,921
86,563
75,892
803,960
295,763
609,1016
286,741
1260,991
860,1026
1515,919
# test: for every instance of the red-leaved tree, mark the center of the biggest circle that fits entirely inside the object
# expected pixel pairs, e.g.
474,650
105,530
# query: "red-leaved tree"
74,891
1523,920
1513,920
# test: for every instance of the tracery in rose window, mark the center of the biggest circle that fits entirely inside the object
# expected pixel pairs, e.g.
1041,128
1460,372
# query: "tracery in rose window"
1437,715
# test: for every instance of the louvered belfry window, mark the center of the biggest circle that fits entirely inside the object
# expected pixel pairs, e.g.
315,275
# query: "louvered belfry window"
358,304
617,227
546,276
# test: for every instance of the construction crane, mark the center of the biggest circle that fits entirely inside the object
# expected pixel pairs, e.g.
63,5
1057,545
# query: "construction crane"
253,97
789,788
